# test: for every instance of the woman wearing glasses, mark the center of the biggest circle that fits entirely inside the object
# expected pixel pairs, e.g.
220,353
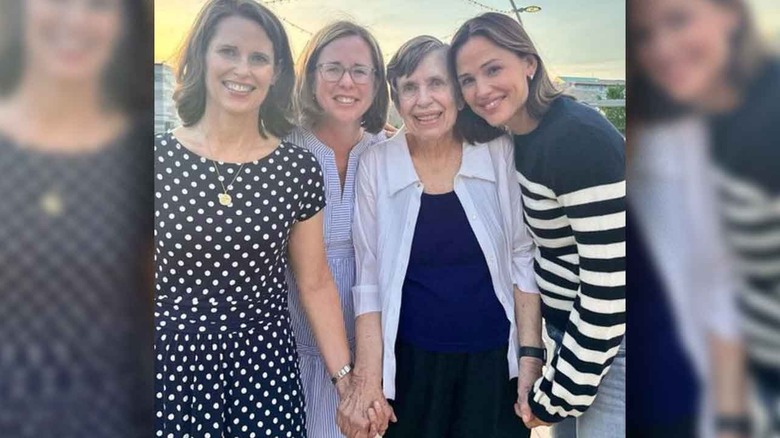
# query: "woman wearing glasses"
342,101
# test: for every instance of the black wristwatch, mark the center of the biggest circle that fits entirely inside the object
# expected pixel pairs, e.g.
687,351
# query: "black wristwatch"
539,353
735,424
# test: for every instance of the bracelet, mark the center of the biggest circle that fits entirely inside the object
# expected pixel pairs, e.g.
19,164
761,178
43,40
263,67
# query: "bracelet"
346,369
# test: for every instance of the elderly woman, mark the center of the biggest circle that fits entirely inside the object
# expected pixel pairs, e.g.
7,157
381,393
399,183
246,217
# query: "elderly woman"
341,99
445,289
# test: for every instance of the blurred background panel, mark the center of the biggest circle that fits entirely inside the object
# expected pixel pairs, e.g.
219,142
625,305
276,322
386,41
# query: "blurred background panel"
76,129
703,81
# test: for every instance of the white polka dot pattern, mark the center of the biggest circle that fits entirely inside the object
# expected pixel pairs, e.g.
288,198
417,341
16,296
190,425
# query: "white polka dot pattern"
73,307
225,358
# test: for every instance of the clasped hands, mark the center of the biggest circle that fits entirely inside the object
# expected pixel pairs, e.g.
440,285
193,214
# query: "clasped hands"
363,411
530,370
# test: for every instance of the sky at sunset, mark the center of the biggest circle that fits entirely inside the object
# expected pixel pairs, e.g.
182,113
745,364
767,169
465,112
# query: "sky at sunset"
575,37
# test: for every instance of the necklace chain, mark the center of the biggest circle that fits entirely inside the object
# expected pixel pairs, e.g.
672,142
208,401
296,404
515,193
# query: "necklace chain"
224,197
220,178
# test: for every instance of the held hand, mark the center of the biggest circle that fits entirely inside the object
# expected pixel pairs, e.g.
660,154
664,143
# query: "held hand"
378,406
357,416
530,370
378,410
350,418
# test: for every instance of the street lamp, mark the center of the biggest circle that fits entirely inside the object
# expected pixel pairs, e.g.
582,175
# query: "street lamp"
530,9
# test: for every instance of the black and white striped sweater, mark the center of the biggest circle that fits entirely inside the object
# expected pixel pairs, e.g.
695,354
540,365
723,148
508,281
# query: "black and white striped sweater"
572,172
746,151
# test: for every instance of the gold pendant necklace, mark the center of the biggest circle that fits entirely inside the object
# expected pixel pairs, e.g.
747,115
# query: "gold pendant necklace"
224,197
51,203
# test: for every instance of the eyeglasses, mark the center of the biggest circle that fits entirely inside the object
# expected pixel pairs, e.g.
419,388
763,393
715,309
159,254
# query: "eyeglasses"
333,72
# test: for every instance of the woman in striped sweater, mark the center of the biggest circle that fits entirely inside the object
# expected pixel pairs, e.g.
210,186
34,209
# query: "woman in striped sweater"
705,58
571,166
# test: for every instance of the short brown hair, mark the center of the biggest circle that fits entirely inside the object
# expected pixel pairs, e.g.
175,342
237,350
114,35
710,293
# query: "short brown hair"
408,57
190,95
508,34
307,109
405,62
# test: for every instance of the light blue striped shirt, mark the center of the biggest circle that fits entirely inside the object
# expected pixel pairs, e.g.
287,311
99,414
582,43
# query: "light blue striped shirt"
321,397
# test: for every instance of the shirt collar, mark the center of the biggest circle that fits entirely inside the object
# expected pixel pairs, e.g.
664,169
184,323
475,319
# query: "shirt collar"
400,169
476,163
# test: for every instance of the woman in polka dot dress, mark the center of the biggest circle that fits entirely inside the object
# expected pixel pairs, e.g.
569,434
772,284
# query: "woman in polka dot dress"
231,202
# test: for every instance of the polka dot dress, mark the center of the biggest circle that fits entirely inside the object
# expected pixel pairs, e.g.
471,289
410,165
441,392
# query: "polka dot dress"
226,363
74,310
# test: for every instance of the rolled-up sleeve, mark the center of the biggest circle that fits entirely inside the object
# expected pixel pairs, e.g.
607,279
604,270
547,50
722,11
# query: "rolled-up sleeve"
523,247
365,293
714,280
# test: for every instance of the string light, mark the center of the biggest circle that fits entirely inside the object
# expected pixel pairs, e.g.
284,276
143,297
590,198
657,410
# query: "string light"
489,8
295,25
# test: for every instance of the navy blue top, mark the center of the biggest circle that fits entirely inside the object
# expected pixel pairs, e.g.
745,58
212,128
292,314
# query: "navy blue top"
661,385
448,302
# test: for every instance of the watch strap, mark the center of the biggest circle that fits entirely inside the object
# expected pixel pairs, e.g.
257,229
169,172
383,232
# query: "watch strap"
537,352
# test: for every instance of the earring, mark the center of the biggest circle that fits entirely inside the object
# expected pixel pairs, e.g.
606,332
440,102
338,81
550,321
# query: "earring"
532,77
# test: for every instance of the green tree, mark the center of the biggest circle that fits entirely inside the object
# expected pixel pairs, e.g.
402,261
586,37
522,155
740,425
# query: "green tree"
616,115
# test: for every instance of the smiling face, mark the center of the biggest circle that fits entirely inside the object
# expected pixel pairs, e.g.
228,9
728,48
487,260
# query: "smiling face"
683,47
345,101
239,66
72,40
493,80
426,99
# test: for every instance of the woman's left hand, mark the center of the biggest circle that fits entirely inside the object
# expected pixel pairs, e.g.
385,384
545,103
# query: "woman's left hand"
362,411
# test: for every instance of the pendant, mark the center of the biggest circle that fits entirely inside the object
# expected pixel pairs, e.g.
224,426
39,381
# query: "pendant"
225,199
51,203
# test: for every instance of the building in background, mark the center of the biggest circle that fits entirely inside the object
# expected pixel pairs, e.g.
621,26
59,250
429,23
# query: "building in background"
591,90
608,96
165,116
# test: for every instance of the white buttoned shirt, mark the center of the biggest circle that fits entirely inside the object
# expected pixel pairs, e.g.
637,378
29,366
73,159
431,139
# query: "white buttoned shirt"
386,208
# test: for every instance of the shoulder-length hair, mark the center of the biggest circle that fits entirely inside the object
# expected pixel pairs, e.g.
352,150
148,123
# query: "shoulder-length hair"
190,94
128,77
748,55
508,34
309,112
